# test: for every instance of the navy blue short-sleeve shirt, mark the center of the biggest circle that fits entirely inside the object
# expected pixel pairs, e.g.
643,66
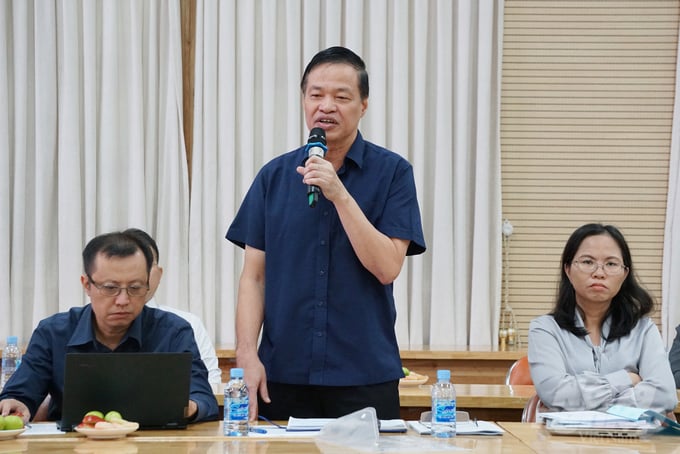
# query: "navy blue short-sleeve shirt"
328,320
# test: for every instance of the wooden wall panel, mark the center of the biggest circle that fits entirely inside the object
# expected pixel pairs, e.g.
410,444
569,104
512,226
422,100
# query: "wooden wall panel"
188,23
587,103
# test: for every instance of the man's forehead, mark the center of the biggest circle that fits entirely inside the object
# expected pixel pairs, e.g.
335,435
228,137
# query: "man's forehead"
333,73
131,266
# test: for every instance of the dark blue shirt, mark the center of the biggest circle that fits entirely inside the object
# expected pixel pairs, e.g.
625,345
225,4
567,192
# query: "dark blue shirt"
42,366
327,319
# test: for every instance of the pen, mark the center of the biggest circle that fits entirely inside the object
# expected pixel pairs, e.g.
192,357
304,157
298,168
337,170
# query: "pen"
257,430
271,422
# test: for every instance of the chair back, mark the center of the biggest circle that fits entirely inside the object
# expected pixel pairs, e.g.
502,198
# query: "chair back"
519,374
530,409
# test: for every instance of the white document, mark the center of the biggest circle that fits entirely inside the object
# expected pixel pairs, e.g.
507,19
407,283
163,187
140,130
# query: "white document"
42,428
392,425
263,431
583,417
306,424
462,428
619,421
315,424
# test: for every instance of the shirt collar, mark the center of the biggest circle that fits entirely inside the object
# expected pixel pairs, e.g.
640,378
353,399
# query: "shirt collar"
84,331
606,325
357,150
355,154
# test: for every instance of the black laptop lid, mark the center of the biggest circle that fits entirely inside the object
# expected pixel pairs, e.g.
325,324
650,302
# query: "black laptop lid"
149,388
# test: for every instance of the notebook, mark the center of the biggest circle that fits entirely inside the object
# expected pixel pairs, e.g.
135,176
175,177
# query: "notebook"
316,424
462,428
149,388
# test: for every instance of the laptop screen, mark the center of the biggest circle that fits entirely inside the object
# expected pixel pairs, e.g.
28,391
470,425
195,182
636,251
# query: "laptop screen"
151,389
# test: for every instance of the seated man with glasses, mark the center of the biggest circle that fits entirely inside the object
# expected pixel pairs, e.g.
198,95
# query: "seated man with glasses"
116,278
598,347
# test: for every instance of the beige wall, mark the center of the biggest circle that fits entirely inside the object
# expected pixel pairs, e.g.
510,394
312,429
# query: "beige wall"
587,102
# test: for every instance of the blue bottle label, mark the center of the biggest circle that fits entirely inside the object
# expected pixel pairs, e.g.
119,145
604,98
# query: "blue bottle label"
238,409
444,410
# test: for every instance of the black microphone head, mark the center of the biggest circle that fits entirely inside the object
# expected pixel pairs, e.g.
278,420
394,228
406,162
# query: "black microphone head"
317,135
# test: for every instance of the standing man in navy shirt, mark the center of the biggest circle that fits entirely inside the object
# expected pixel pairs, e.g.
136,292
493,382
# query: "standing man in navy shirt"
318,281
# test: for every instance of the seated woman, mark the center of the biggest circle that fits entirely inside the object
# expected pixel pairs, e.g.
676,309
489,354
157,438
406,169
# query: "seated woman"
598,348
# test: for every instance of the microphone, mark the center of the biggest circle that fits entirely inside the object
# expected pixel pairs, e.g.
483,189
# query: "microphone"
316,146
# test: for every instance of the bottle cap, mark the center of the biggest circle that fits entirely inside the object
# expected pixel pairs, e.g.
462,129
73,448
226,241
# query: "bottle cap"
443,374
236,372
11,340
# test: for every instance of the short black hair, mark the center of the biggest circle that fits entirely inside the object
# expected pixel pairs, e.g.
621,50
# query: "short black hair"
144,238
627,307
339,54
115,244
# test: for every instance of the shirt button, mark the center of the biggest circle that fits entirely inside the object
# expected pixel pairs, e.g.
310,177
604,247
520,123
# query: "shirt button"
325,213
322,272
320,303
323,242
319,334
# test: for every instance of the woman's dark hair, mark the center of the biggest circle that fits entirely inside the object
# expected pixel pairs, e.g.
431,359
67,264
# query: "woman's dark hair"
339,55
628,306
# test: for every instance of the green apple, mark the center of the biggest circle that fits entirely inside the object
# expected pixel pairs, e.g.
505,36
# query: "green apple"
113,416
13,422
95,413
2,422
406,371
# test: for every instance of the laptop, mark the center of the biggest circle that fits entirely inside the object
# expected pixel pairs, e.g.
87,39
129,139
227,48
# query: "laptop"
151,389
595,424
602,430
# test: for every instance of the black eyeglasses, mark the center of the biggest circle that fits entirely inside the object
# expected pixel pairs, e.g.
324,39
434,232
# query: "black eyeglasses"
133,291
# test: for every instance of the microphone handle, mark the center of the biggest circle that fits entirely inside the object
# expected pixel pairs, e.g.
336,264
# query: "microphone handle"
315,149
312,195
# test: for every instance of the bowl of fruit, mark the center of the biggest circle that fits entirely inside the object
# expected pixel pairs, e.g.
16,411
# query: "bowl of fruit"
412,379
100,426
11,426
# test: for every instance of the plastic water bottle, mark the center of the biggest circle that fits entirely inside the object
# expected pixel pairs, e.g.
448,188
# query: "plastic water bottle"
236,405
443,406
11,358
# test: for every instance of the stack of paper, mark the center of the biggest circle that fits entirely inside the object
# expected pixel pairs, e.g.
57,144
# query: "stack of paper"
584,418
315,424
617,415
306,424
462,428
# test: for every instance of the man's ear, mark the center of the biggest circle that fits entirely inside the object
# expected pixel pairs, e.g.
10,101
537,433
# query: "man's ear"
85,282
